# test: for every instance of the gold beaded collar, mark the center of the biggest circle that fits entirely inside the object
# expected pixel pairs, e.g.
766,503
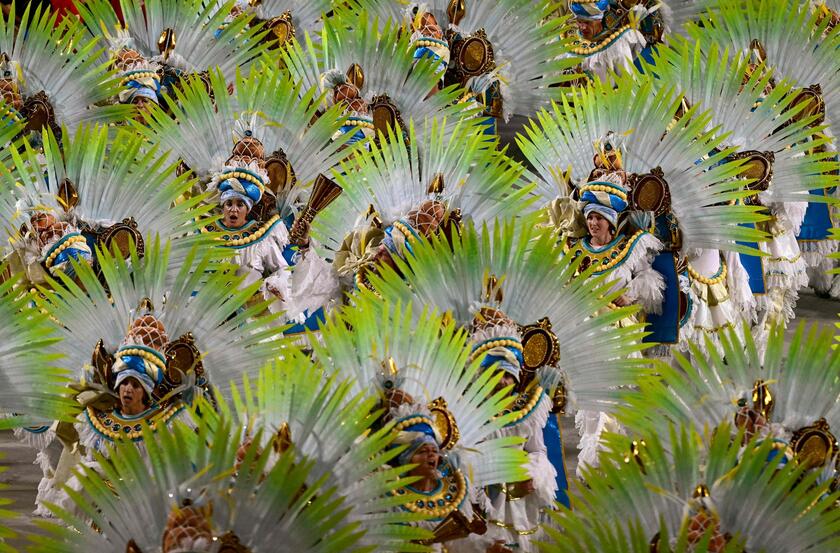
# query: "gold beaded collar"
608,257
446,498
115,426
524,404
246,235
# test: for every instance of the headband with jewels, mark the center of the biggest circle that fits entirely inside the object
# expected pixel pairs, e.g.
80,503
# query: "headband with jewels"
141,355
428,41
139,78
244,175
591,11
497,342
147,355
60,243
605,196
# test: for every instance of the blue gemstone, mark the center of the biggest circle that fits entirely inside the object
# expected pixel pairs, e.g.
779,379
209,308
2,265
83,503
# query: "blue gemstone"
440,502
448,497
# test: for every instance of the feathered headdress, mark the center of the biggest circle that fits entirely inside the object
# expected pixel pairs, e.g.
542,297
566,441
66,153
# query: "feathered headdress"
704,495
456,170
185,36
62,79
396,86
420,368
791,396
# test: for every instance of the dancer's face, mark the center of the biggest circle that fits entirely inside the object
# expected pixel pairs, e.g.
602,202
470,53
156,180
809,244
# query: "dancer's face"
234,212
132,397
599,229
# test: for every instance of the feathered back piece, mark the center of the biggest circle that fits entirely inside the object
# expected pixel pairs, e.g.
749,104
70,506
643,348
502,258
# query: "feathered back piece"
519,44
297,406
791,397
799,45
52,74
412,357
755,111
527,276
702,496
188,36
202,307
456,167
380,63
200,490
32,379
202,129
661,153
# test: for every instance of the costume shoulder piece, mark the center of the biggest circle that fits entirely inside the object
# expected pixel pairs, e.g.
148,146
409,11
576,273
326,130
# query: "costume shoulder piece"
608,257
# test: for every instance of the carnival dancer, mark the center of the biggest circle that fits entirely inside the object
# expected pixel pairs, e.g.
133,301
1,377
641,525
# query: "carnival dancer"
706,493
787,398
509,55
797,164
442,405
799,46
381,64
197,489
525,274
650,168
183,37
84,194
278,159
144,346
407,187
610,39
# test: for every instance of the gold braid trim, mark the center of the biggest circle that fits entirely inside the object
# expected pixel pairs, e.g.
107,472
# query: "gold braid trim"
105,423
602,188
147,355
524,404
614,261
452,485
